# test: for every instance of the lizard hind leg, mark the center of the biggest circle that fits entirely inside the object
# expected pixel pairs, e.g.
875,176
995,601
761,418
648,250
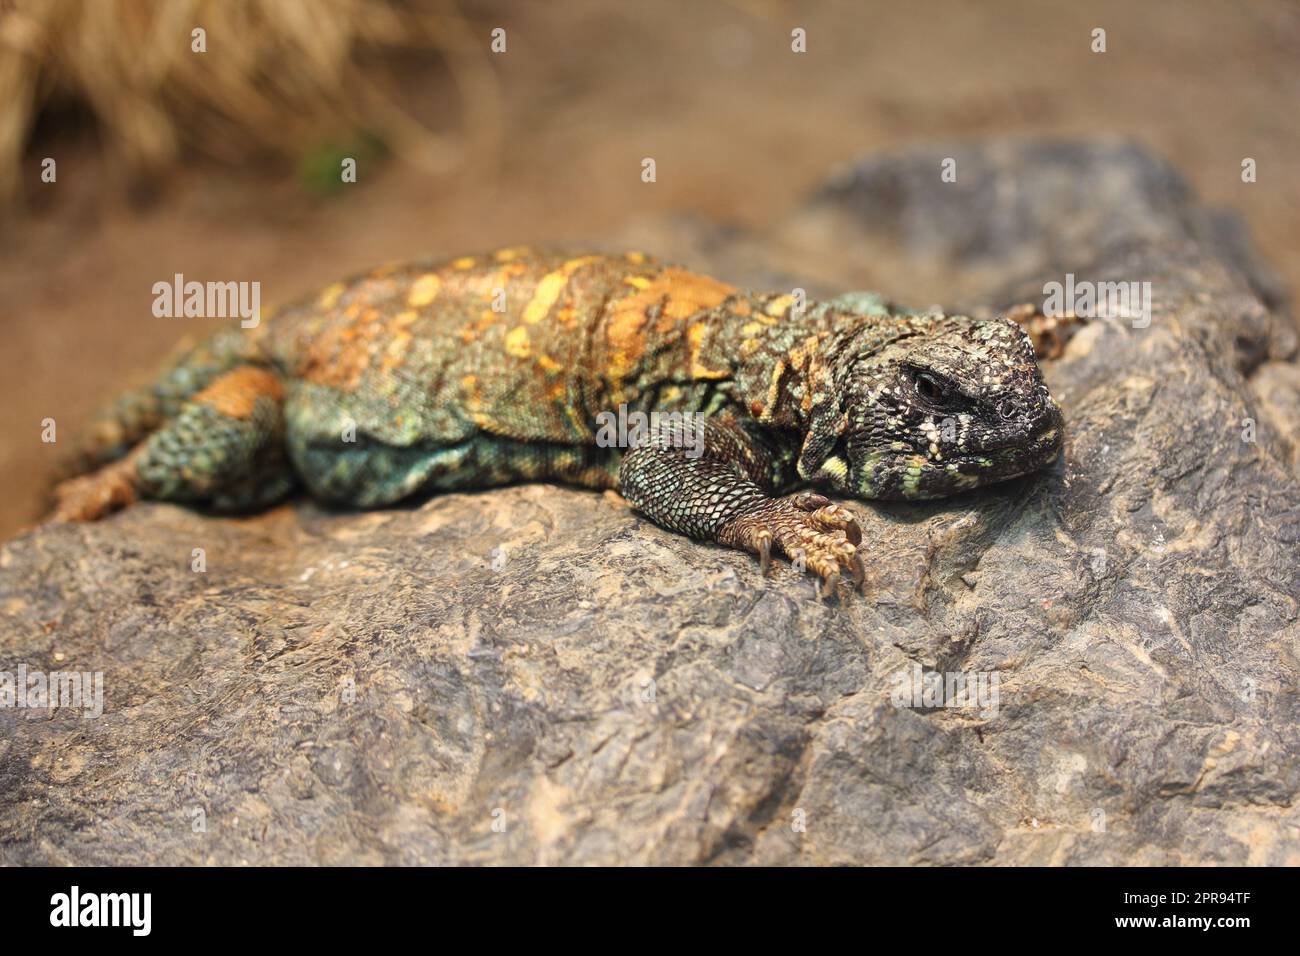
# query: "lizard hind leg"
224,448
129,419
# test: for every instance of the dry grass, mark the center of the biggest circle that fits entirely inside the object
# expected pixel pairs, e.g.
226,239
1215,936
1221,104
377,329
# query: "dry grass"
277,77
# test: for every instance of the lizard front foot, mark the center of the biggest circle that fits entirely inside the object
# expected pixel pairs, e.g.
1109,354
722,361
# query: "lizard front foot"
807,528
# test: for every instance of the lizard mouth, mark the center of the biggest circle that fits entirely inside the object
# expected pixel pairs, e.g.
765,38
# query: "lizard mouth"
1012,461
1048,439
924,472
918,476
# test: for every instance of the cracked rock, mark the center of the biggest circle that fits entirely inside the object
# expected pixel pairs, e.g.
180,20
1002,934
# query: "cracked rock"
537,675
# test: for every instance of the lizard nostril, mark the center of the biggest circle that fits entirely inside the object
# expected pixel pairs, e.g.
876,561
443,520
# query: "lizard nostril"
1007,410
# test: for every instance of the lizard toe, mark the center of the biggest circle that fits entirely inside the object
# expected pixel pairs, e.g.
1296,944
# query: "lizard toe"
837,518
824,553
809,501
816,536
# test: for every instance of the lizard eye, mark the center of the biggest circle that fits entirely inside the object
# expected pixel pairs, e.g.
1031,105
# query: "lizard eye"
931,388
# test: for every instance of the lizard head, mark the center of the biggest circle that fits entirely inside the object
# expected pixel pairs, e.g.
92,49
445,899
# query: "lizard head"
934,405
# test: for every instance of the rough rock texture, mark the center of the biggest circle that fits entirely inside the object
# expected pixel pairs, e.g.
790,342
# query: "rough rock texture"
537,675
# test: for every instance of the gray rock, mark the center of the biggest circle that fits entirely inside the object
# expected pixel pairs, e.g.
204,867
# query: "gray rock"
536,675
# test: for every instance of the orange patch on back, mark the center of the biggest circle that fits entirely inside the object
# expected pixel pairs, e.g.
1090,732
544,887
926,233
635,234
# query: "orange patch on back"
777,307
235,394
488,284
551,285
473,393
681,294
424,290
698,369
517,343
339,354
331,295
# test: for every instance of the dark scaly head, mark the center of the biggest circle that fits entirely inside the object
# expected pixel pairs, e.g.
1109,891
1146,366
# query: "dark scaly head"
931,405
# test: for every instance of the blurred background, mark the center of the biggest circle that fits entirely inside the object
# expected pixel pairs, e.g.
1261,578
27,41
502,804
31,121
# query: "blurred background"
224,165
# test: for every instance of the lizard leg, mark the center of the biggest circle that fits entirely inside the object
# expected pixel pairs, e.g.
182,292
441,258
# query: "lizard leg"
122,425
224,448
723,494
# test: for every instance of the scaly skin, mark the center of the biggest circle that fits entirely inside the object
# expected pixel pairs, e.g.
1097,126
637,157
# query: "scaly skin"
407,380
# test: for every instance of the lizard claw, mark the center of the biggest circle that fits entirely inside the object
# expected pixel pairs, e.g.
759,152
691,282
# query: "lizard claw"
821,537
827,586
764,539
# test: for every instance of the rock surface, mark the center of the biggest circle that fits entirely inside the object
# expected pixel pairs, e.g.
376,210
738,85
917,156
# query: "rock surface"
536,675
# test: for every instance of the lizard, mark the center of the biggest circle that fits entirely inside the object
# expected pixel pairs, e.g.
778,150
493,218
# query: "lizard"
490,369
